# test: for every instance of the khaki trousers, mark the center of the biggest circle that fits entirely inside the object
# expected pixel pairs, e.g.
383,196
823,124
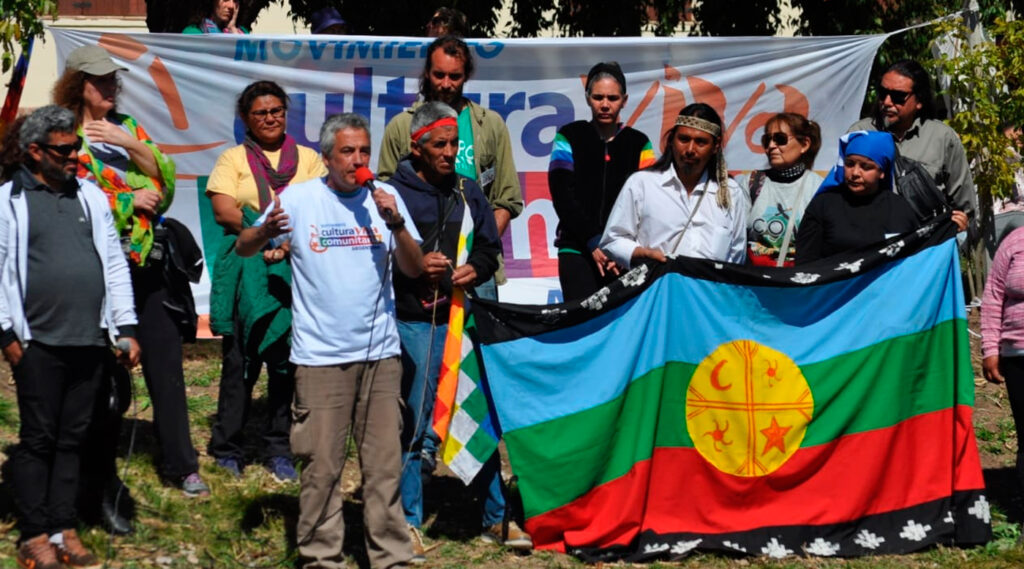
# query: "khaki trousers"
329,402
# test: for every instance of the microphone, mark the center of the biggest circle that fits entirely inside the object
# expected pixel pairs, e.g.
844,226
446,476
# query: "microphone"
365,178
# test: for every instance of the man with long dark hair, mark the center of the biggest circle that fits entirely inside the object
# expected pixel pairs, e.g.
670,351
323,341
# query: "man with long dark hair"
683,204
906,109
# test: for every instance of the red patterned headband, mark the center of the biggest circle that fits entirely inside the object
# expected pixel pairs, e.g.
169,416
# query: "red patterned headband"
446,121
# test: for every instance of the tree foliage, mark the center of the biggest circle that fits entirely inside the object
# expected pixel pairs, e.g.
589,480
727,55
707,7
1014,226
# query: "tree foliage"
987,87
21,20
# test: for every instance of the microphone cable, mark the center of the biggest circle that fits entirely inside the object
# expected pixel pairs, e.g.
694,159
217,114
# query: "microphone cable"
125,347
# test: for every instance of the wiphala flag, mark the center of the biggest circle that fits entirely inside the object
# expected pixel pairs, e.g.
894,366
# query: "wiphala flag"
819,410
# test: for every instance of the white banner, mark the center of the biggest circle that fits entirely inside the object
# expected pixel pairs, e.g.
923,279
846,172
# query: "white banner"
183,89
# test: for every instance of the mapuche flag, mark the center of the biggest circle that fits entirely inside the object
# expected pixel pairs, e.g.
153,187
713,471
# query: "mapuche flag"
818,410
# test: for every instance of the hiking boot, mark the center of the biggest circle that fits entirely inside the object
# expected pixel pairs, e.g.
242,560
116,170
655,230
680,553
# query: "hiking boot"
232,465
282,469
516,538
194,487
419,552
38,553
73,554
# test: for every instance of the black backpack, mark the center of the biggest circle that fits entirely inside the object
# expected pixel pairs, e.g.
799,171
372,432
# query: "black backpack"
916,185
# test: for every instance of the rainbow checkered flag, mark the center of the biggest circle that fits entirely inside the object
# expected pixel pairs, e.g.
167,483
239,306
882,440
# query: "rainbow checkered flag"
462,413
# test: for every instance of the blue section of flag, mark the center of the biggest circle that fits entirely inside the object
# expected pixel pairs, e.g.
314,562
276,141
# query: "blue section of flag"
631,340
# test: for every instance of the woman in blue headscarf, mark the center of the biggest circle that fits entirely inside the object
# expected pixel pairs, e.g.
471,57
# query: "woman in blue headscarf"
855,205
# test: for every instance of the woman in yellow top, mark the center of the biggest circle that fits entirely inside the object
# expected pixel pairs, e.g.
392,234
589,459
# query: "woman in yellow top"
119,157
250,297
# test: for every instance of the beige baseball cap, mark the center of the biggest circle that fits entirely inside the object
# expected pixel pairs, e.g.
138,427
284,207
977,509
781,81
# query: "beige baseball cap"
92,59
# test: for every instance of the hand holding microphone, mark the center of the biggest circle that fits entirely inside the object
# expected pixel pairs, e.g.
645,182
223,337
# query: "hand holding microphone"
386,205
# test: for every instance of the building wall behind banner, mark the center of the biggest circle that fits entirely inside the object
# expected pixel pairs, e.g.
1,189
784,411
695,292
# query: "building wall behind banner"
183,88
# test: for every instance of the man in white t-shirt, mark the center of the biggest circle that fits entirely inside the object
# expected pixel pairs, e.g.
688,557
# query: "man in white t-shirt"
344,342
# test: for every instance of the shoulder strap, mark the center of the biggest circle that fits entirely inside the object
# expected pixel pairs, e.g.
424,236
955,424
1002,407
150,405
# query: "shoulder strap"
757,178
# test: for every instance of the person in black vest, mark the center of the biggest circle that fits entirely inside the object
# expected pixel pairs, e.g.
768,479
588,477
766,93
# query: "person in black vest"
590,160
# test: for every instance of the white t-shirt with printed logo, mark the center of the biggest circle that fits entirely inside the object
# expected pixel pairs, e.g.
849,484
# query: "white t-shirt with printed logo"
343,303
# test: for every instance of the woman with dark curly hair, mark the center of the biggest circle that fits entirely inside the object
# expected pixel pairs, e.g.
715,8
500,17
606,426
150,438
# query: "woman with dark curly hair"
250,298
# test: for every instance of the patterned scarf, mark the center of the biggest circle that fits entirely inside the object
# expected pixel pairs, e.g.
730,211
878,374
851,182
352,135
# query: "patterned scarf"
267,177
120,196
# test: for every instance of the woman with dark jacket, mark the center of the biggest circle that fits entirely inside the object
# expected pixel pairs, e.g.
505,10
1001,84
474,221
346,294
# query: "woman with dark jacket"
590,160
855,205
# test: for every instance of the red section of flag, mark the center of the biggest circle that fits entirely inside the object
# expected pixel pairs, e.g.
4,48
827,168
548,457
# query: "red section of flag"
857,475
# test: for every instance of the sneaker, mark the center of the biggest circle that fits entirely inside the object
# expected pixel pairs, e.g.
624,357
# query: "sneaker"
419,551
232,465
73,554
516,538
194,487
38,553
282,469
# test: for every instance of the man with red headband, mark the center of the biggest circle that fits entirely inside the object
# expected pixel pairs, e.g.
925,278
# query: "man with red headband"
439,200
485,149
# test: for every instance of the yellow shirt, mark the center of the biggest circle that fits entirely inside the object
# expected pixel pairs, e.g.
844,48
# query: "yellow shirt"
232,176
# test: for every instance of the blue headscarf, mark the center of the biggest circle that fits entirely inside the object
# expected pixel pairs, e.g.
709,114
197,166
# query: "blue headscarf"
876,146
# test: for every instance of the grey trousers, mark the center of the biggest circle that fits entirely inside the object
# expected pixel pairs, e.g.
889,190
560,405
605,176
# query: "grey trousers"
330,402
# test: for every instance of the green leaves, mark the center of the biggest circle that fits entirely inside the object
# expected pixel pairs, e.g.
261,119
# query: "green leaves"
21,20
986,88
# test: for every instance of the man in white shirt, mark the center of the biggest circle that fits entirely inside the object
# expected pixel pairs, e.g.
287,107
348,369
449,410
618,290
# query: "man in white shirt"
684,204
344,342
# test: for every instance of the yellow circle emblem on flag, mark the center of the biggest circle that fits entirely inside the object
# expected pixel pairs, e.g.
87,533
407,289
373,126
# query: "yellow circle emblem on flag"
747,408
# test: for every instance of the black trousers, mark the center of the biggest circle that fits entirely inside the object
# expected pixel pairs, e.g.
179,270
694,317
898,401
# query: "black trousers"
240,369
578,276
1012,369
160,340
56,390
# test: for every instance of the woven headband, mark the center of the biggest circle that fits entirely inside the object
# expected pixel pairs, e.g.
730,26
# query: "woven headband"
446,121
699,124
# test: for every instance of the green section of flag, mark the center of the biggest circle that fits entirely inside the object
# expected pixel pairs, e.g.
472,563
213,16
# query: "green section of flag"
560,460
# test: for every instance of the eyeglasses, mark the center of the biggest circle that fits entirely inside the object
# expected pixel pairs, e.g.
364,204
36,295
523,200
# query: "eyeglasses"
63,150
276,112
779,138
898,97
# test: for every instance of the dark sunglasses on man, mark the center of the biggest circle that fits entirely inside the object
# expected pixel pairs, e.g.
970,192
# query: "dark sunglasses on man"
897,97
63,150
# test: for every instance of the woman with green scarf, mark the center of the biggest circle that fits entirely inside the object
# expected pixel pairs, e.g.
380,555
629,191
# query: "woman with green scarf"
119,157
250,298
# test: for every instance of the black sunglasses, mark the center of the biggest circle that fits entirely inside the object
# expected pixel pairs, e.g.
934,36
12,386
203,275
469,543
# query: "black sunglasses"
64,150
779,138
898,97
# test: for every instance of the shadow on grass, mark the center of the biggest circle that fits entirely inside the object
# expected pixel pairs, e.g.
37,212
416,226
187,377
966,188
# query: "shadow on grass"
1004,492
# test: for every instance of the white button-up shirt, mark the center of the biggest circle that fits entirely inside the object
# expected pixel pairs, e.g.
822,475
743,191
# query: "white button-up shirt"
652,210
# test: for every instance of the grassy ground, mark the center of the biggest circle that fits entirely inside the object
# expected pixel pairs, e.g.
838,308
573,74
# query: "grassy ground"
250,523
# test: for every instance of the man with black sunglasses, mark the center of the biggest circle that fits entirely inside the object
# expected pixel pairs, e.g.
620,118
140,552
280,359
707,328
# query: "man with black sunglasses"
906,108
65,293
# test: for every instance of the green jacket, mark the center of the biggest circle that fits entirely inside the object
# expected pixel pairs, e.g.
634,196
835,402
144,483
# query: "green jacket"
251,292
492,150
